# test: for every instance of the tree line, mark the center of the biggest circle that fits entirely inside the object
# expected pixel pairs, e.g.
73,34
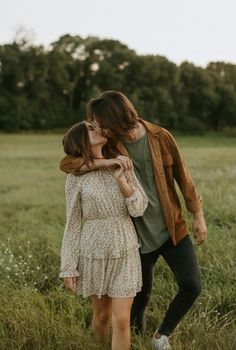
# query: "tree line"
48,87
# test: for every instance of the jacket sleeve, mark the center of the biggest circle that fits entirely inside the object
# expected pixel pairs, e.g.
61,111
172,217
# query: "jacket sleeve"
70,164
70,242
138,202
183,178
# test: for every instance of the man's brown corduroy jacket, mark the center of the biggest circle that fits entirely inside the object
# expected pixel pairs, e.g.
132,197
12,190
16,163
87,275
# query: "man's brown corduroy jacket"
168,165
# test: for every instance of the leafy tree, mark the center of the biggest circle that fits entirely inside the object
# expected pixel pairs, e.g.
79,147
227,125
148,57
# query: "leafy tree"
44,88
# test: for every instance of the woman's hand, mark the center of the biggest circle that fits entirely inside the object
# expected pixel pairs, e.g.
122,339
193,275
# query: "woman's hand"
118,173
70,283
124,165
126,162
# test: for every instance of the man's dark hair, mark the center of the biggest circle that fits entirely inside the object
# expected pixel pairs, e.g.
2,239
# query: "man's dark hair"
114,111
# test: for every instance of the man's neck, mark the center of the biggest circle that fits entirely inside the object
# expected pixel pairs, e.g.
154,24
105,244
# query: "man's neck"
136,133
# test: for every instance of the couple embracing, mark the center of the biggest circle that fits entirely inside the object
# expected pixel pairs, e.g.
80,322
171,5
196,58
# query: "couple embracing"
123,212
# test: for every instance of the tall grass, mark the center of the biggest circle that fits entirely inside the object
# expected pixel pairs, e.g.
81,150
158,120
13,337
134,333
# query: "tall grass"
35,310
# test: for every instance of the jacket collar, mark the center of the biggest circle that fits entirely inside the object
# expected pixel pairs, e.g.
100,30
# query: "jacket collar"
153,129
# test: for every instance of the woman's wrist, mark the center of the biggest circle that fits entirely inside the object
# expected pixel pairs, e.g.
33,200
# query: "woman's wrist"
122,180
126,188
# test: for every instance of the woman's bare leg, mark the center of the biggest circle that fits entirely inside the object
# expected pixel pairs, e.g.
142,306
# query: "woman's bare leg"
121,323
101,315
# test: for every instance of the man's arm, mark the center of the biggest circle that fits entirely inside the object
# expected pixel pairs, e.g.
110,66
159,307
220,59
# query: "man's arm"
76,166
199,227
193,201
70,164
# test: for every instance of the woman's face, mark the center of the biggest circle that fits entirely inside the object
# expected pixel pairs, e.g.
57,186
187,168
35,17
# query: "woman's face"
96,137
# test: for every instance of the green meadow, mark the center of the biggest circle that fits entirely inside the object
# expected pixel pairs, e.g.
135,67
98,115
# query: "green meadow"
37,313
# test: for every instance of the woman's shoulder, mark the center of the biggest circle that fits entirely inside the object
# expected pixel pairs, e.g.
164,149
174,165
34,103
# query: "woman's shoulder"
75,180
72,178
72,181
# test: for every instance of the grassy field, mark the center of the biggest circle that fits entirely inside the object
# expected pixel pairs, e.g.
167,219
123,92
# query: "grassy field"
37,313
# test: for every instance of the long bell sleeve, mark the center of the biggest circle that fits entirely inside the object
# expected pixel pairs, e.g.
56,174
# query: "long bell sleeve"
70,242
138,202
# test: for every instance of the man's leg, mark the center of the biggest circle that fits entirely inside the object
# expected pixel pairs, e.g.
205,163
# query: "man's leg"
183,263
142,298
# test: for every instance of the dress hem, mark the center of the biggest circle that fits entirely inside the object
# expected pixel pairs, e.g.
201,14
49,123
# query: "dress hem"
110,295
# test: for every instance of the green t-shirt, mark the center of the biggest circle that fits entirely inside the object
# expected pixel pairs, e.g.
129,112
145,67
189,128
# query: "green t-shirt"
151,228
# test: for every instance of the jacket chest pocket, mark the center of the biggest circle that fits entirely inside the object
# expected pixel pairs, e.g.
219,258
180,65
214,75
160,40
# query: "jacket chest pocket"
168,162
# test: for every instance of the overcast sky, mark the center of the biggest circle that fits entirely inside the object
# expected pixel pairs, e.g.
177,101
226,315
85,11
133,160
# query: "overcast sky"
195,30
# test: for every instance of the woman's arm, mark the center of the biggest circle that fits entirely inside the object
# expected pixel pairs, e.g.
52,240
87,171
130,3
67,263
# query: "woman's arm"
70,243
135,198
126,188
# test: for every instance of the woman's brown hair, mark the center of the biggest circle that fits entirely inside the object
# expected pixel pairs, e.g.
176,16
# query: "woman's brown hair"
76,143
114,111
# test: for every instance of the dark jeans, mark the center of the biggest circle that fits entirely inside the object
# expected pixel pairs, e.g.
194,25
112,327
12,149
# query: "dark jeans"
183,263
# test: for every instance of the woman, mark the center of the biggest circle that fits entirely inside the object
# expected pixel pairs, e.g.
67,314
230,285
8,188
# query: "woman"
99,256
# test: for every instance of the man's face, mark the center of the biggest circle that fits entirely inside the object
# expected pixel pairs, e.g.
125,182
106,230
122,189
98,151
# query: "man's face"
104,131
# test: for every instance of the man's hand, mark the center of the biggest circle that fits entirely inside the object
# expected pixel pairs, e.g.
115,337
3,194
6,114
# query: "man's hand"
70,283
120,162
199,227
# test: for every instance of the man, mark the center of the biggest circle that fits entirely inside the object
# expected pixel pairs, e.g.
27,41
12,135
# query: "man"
162,230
